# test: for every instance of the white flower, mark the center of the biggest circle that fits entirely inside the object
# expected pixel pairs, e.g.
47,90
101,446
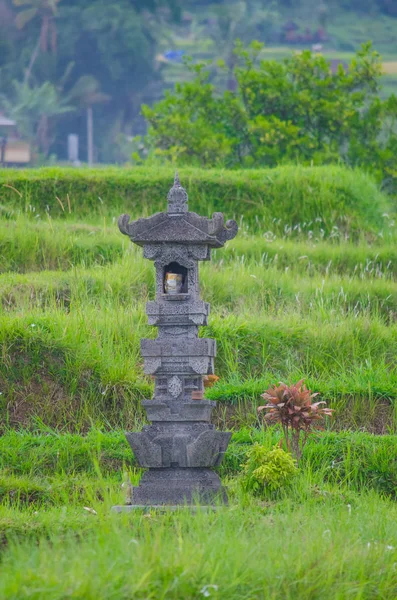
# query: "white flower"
326,533
205,591
90,510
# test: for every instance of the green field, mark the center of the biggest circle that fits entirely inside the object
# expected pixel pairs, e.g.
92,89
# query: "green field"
308,289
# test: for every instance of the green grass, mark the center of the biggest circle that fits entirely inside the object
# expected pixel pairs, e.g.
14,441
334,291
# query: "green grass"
291,297
240,552
332,533
273,198
287,302
44,467
72,368
326,273
27,246
70,339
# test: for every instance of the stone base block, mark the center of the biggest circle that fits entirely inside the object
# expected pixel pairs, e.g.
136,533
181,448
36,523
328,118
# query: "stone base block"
177,487
196,410
130,508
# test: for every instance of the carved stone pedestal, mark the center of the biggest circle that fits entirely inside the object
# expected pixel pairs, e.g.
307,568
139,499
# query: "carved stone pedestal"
179,486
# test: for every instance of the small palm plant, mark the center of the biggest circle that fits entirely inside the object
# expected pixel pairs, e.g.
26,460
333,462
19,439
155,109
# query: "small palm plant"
292,406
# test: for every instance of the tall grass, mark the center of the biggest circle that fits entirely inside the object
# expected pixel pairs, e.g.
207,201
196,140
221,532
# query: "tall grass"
268,198
31,463
232,286
308,289
317,546
71,368
313,297
27,246
332,533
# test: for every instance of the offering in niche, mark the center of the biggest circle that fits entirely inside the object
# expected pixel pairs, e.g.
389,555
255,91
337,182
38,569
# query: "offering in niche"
173,283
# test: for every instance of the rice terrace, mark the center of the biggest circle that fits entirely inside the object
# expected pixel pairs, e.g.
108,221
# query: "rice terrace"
315,301
198,300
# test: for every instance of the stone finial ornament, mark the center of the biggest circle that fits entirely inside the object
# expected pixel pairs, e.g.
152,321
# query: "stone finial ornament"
177,198
181,446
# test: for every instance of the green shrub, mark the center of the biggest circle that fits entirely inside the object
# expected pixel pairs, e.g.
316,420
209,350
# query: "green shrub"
297,109
267,470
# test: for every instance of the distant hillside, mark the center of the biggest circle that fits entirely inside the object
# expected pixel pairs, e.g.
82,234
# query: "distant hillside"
207,30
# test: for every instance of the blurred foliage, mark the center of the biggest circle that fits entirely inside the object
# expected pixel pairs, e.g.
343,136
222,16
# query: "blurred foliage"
111,56
91,53
296,110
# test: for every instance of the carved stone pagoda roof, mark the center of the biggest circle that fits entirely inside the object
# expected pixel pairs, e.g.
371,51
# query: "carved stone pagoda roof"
178,225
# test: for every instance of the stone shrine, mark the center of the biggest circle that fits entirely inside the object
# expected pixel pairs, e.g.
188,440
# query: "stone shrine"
181,446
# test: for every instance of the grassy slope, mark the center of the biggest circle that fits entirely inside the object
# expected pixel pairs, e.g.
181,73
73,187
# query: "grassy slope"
331,533
310,303
31,462
313,198
290,303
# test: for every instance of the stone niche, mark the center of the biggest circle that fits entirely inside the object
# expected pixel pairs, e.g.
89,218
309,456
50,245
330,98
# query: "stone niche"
181,446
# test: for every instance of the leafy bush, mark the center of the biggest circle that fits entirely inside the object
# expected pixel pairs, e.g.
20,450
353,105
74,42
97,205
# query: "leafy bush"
267,470
281,112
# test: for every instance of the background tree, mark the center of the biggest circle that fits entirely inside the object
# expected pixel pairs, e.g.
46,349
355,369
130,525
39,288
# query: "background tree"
113,42
295,110
46,10
86,93
35,110
118,44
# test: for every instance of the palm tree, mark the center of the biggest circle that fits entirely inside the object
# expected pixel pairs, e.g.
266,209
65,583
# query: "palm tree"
46,10
34,108
86,92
